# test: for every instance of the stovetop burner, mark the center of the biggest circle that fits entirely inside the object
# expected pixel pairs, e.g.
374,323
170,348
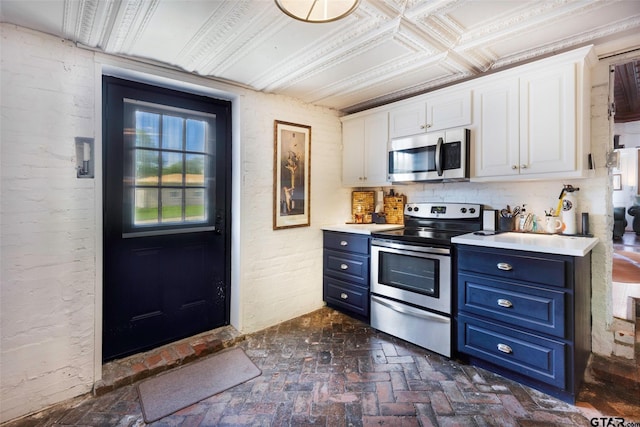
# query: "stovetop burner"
435,223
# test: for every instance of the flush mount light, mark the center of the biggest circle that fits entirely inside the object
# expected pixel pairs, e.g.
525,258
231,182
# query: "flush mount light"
317,11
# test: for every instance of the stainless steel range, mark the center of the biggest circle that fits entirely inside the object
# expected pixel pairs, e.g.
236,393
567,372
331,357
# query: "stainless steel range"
411,273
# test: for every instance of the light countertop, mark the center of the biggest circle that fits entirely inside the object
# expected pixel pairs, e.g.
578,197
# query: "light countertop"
546,243
362,228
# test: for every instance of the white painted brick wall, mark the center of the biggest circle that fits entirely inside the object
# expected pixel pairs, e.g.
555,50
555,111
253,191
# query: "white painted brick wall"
48,223
281,270
48,229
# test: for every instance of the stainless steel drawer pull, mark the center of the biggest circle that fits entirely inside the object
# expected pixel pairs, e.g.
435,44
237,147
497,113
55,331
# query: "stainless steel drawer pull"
344,266
505,348
505,303
504,266
344,296
343,243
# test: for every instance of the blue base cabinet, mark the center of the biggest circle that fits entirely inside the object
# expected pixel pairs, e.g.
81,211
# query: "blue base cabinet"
525,315
346,272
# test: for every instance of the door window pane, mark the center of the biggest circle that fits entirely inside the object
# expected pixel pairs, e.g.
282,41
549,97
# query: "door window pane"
146,206
171,205
172,169
194,205
172,131
195,135
147,129
195,169
147,167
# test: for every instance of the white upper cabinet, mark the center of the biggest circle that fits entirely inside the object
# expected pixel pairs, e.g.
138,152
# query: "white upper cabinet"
447,109
364,150
532,122
496,133
529,122
548,120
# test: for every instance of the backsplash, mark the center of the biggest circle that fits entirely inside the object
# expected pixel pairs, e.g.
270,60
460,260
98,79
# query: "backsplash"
539,197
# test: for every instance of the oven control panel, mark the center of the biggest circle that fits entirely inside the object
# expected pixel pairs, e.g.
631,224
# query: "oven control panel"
443,210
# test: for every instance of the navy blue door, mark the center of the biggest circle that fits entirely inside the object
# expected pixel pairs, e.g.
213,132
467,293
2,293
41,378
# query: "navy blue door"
166,215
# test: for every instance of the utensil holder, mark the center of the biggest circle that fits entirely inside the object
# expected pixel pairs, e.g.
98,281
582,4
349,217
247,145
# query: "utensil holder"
505,223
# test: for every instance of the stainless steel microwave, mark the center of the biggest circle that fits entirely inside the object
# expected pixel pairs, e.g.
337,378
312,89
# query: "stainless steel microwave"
437,156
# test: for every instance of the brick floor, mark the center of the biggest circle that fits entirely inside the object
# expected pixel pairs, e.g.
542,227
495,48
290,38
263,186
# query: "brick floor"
326,369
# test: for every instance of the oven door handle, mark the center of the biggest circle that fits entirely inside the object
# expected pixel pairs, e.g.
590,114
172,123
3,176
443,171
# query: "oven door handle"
398,247
404,309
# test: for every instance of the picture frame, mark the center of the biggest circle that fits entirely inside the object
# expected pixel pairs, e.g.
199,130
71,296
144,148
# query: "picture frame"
291,175
617,181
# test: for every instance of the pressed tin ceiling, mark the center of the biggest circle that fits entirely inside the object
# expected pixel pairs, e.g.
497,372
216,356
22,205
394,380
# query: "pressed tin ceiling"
384,51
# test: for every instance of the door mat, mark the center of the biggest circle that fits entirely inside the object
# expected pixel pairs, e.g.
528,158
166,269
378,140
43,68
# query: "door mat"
184,386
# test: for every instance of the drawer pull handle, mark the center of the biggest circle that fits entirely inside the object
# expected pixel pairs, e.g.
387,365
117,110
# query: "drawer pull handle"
344,267
504,266
344,296
505,303
505,348
343,243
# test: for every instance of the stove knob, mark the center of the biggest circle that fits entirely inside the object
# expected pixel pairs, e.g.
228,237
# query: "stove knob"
416,209
463,210
472,210
409,208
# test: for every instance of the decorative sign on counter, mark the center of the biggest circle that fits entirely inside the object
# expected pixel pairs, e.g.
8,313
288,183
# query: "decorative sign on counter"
362,206
394,208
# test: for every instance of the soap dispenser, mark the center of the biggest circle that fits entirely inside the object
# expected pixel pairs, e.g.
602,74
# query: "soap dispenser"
522,219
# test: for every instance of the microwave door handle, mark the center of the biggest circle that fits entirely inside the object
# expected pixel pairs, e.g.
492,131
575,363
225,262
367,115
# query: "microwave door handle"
439,156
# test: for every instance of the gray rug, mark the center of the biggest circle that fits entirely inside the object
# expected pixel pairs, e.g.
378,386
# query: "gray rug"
189,384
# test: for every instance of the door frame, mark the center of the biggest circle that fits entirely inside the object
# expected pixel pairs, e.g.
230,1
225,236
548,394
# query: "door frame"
177,80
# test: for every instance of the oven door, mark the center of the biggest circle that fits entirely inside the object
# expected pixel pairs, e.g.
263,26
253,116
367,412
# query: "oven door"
417,275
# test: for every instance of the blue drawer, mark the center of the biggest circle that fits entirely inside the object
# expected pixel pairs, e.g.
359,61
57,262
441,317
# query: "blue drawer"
348,267
355,243
530,355
536,309
347,296
549,270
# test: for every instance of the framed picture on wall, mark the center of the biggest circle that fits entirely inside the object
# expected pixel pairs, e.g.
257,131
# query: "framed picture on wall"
617,181
291,175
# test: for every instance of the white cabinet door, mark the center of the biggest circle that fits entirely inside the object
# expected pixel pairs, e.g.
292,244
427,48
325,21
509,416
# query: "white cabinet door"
409,119
376,136
364,151
496,115
449,110
548,120
352,152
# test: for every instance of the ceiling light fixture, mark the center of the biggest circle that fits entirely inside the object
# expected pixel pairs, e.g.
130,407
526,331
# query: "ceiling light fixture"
317,11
